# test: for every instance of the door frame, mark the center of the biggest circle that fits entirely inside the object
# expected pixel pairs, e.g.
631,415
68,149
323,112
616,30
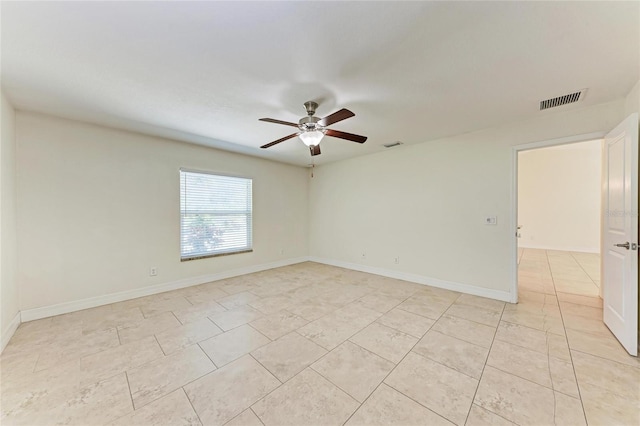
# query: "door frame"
515,149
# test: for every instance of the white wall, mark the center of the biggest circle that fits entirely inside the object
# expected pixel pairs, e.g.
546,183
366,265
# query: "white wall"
9,303
559,197
632,101
426,203
97,207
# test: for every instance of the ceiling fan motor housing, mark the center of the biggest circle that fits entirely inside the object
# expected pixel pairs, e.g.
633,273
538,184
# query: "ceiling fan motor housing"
309,124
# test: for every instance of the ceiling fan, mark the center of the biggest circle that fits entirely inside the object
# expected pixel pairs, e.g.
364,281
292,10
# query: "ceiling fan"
312,129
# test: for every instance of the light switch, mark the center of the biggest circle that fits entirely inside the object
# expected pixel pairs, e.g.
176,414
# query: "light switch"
491,220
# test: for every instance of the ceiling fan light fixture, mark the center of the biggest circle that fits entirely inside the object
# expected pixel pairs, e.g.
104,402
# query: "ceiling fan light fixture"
311,138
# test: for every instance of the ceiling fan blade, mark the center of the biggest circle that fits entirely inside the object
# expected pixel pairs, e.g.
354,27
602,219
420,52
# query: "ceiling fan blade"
345,135
273,120
343,114
315,149
280,140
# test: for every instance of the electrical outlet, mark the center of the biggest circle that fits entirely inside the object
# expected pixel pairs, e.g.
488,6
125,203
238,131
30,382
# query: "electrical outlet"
396,260
153,272
363,256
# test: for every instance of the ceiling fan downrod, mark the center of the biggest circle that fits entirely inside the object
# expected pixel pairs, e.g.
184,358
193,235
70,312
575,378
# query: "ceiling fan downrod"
311,107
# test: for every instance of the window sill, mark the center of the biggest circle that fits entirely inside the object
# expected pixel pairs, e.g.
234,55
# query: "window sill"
205,256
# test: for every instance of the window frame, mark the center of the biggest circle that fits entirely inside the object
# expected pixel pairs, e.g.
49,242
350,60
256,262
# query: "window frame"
250,228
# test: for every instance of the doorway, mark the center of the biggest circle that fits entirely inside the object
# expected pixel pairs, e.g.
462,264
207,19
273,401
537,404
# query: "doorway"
519,253
607,324
559,217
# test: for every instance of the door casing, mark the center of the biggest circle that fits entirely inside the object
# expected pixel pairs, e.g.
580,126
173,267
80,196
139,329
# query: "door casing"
514,194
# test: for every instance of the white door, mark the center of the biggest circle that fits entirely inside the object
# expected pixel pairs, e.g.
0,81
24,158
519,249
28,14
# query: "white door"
620,233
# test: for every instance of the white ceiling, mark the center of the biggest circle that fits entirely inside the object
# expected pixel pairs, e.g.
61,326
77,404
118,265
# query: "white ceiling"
204,72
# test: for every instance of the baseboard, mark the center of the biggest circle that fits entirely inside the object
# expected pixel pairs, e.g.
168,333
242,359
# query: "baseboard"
543,247
92,302
8,333
504,296
77,305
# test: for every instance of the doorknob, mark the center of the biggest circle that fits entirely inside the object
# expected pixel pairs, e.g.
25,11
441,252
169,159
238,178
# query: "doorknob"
625,245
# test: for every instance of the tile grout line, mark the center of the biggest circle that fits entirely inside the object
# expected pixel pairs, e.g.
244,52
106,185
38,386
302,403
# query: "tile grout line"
602,358
584,270
378,355
207,355
215,325
399,361
531,328
191,404
261,333
467,319
35,364
531,381
174,389
332,349
234,417
176,317
334,384
445,365
497,415
130,398
453,315
126,375
309,366
466,341
158,342
272,390
575,376
254,413
393,369
233,328
269,371
341,307
485,366
571,279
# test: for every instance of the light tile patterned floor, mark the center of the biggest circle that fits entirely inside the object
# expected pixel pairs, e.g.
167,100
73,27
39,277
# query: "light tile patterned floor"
311,344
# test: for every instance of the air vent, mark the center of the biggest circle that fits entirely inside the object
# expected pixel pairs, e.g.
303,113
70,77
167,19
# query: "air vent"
562,100
392,144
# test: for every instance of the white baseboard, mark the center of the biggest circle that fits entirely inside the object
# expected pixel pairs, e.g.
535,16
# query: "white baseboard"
92,302
8,333
543,247
504,296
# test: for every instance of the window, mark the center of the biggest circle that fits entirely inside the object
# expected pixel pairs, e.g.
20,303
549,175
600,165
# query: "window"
215,215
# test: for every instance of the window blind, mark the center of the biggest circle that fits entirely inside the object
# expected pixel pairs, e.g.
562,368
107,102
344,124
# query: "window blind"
215,215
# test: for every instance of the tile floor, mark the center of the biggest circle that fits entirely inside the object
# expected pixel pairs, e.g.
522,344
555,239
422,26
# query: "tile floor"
567,273
311,344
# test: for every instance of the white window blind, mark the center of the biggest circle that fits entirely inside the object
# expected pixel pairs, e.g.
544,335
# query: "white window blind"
215,215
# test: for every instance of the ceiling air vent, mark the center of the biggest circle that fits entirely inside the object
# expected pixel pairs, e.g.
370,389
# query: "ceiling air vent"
562,100
392,144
